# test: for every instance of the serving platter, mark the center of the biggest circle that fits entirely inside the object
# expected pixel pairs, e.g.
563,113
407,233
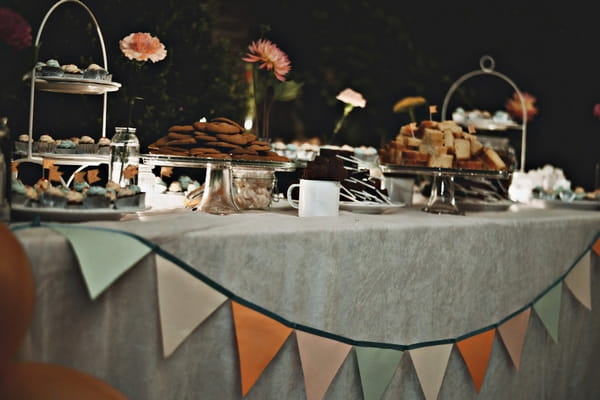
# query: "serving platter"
473,205
71,85
21,212
367,207
574,205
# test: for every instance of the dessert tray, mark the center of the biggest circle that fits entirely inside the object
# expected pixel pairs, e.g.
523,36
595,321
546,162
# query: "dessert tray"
71,85
367,207
23,212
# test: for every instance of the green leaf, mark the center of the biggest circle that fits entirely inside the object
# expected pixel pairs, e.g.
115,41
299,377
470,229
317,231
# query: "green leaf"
287,91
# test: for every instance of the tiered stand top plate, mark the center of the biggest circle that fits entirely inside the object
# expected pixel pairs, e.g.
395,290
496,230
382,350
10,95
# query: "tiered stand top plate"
198,162
395,169
75,85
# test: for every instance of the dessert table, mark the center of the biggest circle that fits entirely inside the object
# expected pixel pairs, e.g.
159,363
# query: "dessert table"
402,277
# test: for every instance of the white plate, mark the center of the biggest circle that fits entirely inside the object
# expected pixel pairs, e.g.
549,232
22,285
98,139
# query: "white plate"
75,85
575,204
71,215
501,205
369,207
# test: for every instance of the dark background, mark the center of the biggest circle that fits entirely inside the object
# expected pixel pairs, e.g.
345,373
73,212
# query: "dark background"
385,50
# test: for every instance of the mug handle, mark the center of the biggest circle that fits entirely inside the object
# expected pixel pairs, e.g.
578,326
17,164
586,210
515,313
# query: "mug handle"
289,195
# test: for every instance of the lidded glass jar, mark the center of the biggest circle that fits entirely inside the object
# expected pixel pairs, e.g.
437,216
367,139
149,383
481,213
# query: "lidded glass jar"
252,189
124,156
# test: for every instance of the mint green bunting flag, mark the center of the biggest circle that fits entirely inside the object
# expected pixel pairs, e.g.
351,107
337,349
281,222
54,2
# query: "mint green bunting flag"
548,309
103,256
376,367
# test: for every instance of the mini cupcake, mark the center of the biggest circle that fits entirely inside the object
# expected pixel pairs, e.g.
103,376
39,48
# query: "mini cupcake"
53,196
45,144
74,199
21,144
130,196
94,71
184,181
33,196
38,67
113,185
52,68
66,147
81,187
175,187
104,145
72,71
87,145
18,193
41,185
96,197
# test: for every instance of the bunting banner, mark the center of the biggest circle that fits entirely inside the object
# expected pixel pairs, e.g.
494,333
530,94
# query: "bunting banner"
430,365
101,268
548,309
476,351
321,358
512,333
184,302
259,339
579,281
187,298
376,368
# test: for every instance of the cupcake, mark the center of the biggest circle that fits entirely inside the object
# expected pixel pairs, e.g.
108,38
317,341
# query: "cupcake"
53,196
96,197
87,145
45,144
52,68
74,199
131,196
104,145
21,144
72,71
18,193
66,147
41,185
81,187
175,187
113,185
184,181
94,71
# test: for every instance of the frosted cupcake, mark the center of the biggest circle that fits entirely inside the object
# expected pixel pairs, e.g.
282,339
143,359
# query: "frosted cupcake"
74,199
96,197
21,144
18,193
66,147
71,71
130,196
53,196
52,68
87,145
94,71
45,144
104,145
81,187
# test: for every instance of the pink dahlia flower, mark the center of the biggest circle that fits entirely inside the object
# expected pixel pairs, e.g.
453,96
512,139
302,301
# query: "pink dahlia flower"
272,58
142,47
14,29
597,111
514,107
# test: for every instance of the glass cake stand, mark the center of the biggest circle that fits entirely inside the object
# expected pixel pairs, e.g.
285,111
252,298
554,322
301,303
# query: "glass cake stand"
217,195
442,200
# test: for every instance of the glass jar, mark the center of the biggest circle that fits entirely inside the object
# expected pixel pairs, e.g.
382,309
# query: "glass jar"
124,157
252,189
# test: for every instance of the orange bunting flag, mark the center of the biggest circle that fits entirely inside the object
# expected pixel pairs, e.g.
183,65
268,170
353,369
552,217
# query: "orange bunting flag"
54,174
259,339
79,177
596,247
92,176
321,358
130,172
513,333
166,171
433,109
476,351
471,129
47,164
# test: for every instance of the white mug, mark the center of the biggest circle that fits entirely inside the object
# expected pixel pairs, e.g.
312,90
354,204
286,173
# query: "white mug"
317,198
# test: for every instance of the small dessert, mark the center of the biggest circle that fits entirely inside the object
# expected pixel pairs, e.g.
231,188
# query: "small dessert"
45,144
81,187
21,144
184,181
53,196
74,199
131,196
41,185
52,68
96,197
71,70
66,146
175,187
18,192
326,166
113,185
87,145
104,145
94,71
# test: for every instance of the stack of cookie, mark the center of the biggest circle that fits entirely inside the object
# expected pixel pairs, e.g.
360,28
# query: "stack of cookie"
220,138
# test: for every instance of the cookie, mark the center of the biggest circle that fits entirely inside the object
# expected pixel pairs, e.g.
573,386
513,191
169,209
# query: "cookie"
201,136
222,127
223,145
202,150
171,151
181,142
219,156
160,142
235,139
199,126
175,135
244,151
257,147
261,143
182,128
250,137
228,121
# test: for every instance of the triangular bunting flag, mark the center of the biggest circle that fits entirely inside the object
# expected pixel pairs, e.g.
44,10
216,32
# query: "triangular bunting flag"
376,367
321,359
184,302
548,309
259,338
513,333
101,267
476,351
579,281
430,364
596,247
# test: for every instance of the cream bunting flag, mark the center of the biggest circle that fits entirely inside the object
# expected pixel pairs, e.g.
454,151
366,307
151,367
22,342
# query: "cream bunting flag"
100,267
184,302
321,358
430,364
513,333
579,281
376,367
548,309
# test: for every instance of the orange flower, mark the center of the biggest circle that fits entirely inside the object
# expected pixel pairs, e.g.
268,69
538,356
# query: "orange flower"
271,56
514,107
142,47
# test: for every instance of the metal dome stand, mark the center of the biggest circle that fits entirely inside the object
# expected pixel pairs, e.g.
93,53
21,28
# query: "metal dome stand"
33,74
